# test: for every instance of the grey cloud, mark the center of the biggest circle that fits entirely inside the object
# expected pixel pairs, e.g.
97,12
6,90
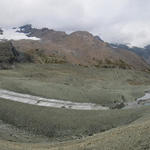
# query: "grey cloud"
125,21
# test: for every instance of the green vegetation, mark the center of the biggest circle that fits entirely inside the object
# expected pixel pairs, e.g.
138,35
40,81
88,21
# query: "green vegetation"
61,123
128,129
76,83
113,64
39,56
7,57
11,133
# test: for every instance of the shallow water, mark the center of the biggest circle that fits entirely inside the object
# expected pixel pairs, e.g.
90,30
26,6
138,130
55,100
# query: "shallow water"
39,101
142,101
145,99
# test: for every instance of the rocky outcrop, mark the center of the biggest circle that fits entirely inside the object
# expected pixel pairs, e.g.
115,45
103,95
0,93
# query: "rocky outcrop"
118,105
9,55
1,31
25,29
43,34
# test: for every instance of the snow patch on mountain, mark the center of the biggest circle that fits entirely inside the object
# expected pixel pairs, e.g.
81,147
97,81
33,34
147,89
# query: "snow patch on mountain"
12,34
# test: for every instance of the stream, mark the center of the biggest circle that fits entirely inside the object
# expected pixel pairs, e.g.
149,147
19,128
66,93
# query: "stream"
39,101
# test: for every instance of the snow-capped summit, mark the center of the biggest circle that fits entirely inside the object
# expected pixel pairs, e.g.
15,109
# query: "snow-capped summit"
14,34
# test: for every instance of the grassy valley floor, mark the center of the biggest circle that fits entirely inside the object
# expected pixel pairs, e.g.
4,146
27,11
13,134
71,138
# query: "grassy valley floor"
135,136
43,128
76,83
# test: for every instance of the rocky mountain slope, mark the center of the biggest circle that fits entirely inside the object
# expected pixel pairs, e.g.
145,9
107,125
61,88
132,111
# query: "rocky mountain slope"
9,55
142,52
79,48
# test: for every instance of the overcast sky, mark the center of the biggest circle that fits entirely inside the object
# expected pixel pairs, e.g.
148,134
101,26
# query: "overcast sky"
123,21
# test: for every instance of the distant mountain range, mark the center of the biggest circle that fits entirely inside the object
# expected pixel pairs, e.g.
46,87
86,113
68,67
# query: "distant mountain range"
143,52
79,48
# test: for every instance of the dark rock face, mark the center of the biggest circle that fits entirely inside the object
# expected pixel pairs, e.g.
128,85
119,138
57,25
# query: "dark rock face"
9,55
142,52
118,105
43,34
25,29
1,31
98,38
47,34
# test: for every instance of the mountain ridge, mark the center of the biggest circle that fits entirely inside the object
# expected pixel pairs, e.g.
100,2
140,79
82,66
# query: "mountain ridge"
142,52
78,48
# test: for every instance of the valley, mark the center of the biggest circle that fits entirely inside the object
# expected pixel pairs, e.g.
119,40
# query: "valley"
45,127
62,91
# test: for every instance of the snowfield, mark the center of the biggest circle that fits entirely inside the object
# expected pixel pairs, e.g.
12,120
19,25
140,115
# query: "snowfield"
12,34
